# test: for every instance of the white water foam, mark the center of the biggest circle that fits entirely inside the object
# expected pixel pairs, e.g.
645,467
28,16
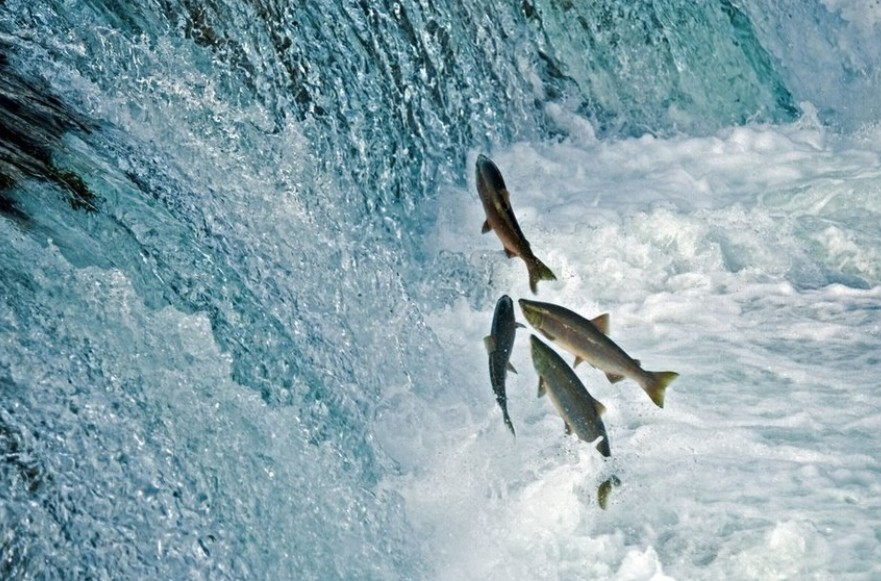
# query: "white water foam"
748,262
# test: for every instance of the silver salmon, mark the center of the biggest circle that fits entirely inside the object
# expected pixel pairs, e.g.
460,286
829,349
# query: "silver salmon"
500,218
588,341
499,343
579,410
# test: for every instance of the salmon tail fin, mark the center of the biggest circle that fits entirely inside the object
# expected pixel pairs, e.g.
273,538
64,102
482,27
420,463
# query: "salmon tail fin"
538,271
508,421
657,383
603,446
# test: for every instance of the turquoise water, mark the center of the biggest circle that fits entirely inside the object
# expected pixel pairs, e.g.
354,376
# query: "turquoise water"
244,288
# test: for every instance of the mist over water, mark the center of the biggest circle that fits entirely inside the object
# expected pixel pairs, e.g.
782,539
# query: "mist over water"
244,290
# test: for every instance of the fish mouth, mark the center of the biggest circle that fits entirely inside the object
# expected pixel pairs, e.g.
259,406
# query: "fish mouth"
534,343
531,312
538,348
487,168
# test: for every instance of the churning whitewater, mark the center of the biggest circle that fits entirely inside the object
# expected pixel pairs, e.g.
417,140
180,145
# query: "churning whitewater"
244,291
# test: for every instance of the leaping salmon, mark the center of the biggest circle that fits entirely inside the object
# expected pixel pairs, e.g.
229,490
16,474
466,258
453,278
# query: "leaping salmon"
579,410
605,489
500,218
588,341
499,343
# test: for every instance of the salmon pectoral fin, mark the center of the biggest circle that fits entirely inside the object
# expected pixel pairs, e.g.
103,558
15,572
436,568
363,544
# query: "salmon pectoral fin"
541,387
510,253
486,227
614,377
567,427
511,367
490,343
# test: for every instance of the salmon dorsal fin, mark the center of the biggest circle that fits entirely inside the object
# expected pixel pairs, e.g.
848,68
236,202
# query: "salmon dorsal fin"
601,323
614,377
578,360
600,408
486,227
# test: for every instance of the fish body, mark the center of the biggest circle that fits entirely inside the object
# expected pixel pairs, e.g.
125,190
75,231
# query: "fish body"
500,219
579,410
499,343
588,341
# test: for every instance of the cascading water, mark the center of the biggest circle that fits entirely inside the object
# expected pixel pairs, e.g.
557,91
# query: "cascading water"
226,237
